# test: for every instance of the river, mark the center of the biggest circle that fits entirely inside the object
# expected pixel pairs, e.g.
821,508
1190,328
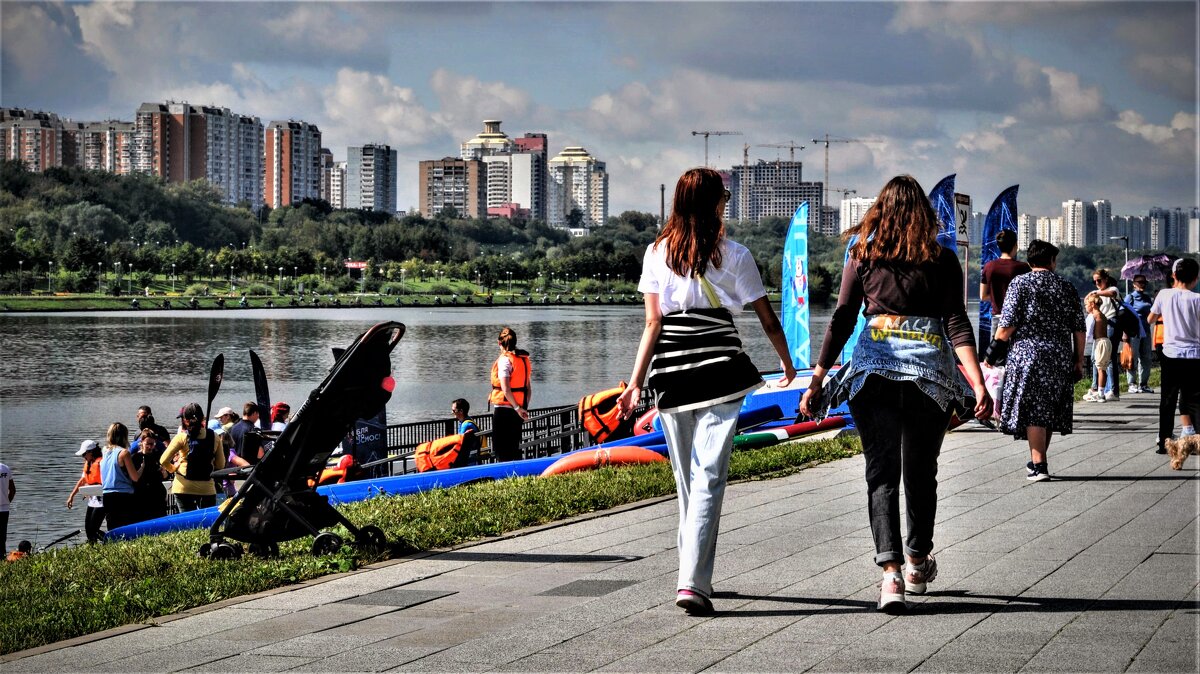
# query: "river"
68,376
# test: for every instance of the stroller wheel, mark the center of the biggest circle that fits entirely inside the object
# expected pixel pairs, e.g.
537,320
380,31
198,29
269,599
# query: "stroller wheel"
205,549
326,544
372,537
264,549
225,551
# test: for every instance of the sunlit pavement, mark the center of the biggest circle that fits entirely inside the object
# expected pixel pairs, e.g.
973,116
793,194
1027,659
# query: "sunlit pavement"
1095,570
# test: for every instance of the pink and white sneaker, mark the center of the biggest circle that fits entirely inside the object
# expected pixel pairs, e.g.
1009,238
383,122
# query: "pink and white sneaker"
891,593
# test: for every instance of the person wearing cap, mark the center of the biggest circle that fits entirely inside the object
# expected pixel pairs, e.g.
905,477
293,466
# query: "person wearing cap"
227,417
224,486
93,519
193,455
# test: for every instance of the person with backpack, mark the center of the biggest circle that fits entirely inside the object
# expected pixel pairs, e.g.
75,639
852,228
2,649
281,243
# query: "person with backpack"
193,455
1140,301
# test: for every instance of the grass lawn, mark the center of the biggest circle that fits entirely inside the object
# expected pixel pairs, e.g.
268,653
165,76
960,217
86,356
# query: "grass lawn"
69,592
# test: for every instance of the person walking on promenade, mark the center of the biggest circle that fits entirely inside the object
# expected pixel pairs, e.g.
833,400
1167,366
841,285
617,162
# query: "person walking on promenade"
999,273
8,491
199,455
1041,335
512,385
693,279
93,519
1179,309
118,474
1110,299
1138,376
902,384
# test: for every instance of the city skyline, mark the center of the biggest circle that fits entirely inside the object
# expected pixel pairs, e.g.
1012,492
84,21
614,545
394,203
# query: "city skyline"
1068,100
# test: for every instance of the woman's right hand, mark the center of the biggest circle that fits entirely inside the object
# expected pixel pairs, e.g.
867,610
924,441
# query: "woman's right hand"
812,396
628,400
1078,371
71,501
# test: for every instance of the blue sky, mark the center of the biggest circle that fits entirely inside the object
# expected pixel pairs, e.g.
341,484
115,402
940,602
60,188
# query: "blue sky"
1070,100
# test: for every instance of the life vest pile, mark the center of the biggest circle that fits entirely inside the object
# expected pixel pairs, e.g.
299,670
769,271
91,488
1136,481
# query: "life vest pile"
600,417
440,454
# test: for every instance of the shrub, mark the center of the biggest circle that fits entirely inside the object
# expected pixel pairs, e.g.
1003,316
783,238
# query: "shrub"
394,289
440,289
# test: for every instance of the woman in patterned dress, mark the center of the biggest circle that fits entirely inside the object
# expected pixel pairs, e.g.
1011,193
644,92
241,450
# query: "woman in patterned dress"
1043,320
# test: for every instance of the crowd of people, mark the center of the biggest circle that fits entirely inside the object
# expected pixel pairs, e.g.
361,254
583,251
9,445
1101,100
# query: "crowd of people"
161,471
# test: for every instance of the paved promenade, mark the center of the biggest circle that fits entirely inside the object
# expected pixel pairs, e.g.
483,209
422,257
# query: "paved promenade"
1093,571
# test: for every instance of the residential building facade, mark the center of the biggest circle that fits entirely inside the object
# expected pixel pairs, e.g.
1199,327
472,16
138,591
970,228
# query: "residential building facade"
460,184
292,159
852,211
777,188
371,178
577,181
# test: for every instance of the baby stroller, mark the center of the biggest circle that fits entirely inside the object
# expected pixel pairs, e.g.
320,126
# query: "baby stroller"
276,503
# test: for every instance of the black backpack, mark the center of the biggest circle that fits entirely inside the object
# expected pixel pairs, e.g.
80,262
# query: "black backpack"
1127,321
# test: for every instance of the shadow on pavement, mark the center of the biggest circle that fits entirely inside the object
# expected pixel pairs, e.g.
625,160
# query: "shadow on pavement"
957,602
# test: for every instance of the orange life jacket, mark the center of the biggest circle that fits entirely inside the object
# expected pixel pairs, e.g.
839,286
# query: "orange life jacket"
347,469
1158,334
91,472
518,382
600,417
439,454
17,555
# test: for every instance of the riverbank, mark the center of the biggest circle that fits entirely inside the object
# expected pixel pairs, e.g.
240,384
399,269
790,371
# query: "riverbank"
76,591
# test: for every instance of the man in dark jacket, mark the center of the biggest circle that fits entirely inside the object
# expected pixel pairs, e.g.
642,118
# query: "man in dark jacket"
1140,299
238,432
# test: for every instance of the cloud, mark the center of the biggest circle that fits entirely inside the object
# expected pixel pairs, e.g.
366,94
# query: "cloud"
1071,100
41,43
465,101
364,107
1177,132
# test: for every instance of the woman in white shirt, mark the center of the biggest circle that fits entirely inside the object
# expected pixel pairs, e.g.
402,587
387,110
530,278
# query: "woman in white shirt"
693,279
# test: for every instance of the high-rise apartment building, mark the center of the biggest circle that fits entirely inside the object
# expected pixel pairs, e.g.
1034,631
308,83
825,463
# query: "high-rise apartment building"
1103,208
337,185
106,146
1026,230
577,181
531,185
1074,215
180,142
460,184
371,178
32,137
777,188
852,211
327,165
292,158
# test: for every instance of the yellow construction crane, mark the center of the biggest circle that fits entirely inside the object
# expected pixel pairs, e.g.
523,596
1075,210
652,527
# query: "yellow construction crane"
790,145
827,140
706,134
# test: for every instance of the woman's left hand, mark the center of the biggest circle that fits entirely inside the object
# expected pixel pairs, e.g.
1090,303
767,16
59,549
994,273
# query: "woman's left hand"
983,403
628,400
789,375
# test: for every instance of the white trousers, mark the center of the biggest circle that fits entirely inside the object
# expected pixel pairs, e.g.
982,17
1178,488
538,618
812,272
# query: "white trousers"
699,442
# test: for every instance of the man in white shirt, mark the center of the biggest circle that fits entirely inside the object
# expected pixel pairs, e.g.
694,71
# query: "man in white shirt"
1179,309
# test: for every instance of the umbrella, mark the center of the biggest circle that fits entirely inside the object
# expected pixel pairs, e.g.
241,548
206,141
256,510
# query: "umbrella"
1153,267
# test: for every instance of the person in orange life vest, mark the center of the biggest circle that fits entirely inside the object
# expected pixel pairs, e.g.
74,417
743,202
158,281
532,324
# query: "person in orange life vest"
94,518
8,489
199,455
511,389
24,549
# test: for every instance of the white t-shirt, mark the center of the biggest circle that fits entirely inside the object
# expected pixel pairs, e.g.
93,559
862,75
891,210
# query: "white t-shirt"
5,476
1180,311
737,282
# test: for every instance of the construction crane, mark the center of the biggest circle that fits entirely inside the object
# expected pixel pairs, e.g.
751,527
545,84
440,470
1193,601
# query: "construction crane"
706,134
790,145
827,140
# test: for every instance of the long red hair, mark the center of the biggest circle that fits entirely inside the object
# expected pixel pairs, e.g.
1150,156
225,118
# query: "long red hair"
694,231
899,226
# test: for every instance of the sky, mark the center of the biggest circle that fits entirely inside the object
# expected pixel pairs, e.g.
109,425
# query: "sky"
1085,100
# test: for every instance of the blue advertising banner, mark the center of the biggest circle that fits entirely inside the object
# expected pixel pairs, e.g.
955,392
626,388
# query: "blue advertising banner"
1002,215
941,197
848,349
795,288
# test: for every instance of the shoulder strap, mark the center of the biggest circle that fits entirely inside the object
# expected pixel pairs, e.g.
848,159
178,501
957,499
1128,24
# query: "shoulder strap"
709,292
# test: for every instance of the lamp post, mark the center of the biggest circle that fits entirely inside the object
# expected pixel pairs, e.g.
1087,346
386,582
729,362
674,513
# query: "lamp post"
99,275
322,273
509,281
1124,238
172,277
211,274
49,272
294,272
230,278
279,284
129,279
20,277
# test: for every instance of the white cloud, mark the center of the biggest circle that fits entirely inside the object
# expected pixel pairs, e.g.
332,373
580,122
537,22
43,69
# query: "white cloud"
465,101
1135,124
361,107
1070,99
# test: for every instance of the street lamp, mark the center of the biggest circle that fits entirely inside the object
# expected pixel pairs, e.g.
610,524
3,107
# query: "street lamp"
20,277
99,275
279,285
48,273
1124,238
129,278
322,273
230,278
172,277
211,274
509,281
294,275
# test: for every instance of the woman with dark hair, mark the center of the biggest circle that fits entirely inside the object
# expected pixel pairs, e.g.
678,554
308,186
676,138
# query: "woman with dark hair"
693,279
1041,334
902,384
512,384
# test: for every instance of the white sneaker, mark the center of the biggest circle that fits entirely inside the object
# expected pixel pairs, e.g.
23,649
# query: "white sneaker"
1133,388
1111,395
1090,396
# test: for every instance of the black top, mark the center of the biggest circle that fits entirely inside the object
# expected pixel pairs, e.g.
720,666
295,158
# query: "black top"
933,288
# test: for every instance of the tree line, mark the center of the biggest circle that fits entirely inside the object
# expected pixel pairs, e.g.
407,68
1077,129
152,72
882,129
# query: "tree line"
94,224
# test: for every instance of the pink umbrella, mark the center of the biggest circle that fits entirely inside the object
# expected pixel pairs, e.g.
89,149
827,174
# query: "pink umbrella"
1153,267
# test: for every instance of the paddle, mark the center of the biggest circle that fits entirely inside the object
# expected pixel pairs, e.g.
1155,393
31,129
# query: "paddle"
215,375
262,395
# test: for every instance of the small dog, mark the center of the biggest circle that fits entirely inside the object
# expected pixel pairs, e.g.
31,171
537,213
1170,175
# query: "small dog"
1179,448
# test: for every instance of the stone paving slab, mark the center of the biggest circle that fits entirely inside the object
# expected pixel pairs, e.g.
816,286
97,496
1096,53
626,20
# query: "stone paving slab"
1094,571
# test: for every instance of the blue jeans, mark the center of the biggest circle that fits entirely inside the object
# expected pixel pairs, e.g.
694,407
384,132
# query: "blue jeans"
1114,365
1142,348
699,442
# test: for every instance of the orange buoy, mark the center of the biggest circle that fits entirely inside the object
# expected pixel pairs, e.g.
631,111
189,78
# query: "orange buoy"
602,456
